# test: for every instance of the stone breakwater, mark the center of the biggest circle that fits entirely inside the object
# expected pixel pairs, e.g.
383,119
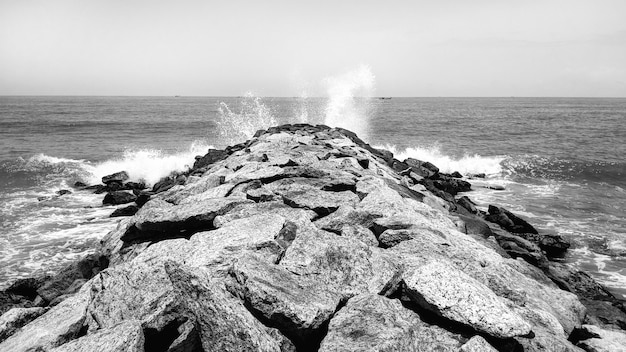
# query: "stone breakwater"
305,238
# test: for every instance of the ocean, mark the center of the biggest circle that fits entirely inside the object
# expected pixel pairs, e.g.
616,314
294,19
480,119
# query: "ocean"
562,161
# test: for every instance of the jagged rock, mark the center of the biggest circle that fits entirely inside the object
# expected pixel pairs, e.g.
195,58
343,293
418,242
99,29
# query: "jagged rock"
477,344
116,177
509,221
63,192
70,278
360,233
211,157
125,337
168,182
424,169
553,245
15,318
298,306
261,195
215,251
456,296
371,322
59,325
467,203
342,264
125,211
159,218
321,202
456,174
603,340
118,197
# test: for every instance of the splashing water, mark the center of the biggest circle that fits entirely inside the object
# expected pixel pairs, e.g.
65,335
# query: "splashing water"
349,98
237,127
468,164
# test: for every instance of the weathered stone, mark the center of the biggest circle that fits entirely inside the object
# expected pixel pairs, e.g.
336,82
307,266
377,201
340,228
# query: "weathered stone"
125,337
456,296
360,233
298,306
342,264
321,202
125,211
211,157
15,318
477,344
118,197
370,322
116,177
70,278
59,325
509,221
158,219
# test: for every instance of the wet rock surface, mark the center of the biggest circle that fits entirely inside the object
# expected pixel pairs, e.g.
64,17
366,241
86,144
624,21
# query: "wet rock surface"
306,238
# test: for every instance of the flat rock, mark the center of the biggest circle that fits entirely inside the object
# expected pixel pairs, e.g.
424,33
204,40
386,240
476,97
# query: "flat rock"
116,177
370,322
454,295
125,337
15,318
158,218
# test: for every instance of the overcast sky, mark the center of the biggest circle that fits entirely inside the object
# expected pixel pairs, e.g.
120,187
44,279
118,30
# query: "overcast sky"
276,48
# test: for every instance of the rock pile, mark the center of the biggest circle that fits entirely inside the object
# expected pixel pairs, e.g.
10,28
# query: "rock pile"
305,238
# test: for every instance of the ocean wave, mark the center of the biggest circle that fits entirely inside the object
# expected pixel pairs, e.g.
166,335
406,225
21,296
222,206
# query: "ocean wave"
554,168
468,164
147,165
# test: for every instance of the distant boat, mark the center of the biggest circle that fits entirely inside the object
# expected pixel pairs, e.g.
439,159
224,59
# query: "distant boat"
384,98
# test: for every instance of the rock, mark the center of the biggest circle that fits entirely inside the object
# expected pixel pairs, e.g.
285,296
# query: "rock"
360,233
321,202
509,221
261,195
456,174
116,177
456,296
477,344
168,182
553,245
424,169
124,337
63,192
159,219
79,184
135,186
15,318
66,280
297,306
118,197
341,264
467,203
59,325
451,185
143,198
603,340
125,211
370,322
27,287
211,157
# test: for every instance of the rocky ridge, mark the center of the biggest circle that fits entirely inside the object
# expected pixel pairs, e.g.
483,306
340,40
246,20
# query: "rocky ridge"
305,238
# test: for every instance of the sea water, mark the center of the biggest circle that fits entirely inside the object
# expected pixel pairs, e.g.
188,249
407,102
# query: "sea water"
561,160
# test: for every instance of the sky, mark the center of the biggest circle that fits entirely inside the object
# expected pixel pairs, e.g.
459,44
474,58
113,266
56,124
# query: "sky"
571,48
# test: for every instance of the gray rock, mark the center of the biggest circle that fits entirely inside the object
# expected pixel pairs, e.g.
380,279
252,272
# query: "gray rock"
15,318
341,264
605,340
116,177
298,306
454,295
125,337
370,322
158,218
477,344
321,202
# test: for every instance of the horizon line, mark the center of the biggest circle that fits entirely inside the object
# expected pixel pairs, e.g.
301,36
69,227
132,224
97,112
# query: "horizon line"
312,97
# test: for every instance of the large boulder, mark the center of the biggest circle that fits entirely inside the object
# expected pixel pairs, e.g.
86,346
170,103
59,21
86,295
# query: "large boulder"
116,177
370,322
454,295
118,197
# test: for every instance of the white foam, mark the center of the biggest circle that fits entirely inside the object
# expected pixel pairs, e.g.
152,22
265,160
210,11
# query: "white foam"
468,164
148,165
348,102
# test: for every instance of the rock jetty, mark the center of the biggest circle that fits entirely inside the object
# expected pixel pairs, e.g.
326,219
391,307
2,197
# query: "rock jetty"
305,238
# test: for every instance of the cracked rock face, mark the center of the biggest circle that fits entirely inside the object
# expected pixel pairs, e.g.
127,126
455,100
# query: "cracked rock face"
303,238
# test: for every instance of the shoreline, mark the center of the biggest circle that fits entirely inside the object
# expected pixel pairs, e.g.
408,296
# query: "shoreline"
320,189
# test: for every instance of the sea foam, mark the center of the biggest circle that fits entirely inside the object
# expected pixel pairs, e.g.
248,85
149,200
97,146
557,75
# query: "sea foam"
468,164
